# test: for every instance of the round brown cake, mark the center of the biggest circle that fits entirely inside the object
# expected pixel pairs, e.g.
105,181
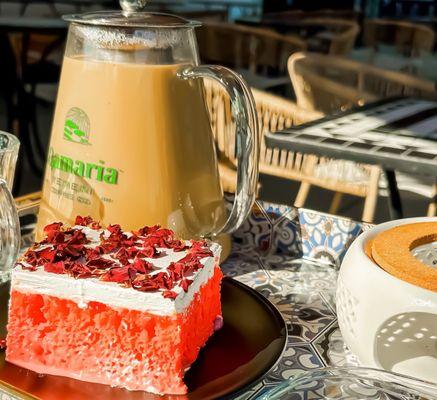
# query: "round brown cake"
392,251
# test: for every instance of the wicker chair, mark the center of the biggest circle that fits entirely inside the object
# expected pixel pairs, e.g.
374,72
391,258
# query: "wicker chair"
329,84
292,15
241,47
275,113
342,33
409,39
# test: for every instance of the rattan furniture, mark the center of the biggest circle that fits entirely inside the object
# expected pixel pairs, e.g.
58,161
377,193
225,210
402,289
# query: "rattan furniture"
409,39
330,84
274,114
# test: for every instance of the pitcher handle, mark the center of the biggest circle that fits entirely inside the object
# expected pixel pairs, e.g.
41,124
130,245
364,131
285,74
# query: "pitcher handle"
247,139
10,237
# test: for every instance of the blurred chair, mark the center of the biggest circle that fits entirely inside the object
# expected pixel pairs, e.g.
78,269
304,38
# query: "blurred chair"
38,53
259,51
205,16
407,38
8,80
340,34
275,113
329,84
40,56
291,15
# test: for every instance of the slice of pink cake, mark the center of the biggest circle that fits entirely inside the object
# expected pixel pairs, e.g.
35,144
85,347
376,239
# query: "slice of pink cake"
127,309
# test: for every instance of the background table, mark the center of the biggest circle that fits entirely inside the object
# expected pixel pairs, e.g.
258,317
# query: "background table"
397,134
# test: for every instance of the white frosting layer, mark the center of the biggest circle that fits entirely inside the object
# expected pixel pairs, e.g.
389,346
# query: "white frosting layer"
82,291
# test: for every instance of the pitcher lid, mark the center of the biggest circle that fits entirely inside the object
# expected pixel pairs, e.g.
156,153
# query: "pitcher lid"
128,19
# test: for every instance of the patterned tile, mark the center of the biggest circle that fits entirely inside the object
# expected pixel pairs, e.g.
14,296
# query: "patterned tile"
281,267
246,268
286,237
256,231
366,226
296,359
332,350
263,391
241,262
329,297
326,238
251,393
276,212
306,315
302,276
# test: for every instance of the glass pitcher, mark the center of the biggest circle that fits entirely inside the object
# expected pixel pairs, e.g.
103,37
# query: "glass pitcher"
131,140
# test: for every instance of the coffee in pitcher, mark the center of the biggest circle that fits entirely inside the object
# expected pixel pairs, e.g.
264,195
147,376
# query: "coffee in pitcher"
131,140
136,151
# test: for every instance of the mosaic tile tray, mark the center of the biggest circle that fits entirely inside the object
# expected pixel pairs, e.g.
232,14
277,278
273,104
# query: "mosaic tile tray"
291,256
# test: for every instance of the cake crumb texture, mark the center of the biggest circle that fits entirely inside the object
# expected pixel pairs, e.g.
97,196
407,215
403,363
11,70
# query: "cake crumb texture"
115,346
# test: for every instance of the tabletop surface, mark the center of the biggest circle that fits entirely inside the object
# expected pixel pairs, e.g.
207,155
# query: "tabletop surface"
399,134
291,257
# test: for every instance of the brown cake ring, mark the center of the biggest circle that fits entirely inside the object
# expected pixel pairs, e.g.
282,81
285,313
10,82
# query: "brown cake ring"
391,250
368,248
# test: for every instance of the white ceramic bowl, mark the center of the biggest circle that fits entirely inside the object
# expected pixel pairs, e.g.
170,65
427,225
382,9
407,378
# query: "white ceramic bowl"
387,322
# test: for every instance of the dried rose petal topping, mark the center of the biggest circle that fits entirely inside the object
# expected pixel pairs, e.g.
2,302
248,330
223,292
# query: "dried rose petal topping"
148,252
92,253
54,227
31,257
114,229
169,294
56,268
100,263
178,245
142,266
54,237
119,257
118,274
77,237
148,230
87,221
185,283
145,285
78,270
27,267
46,255
122,255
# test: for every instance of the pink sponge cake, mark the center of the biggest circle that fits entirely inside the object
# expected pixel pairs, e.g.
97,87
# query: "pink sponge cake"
127,309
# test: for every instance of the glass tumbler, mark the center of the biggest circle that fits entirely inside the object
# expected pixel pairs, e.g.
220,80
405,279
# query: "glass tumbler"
9,223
